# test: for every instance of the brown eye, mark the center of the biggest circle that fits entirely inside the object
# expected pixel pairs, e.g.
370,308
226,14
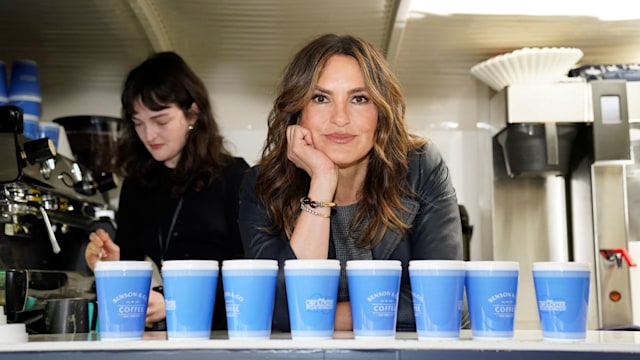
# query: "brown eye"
319,98
360,99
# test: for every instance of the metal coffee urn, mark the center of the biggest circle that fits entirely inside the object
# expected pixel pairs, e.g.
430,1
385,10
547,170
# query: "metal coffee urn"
566,188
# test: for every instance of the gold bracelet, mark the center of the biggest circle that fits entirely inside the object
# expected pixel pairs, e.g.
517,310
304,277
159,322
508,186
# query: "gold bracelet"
316,204
313,212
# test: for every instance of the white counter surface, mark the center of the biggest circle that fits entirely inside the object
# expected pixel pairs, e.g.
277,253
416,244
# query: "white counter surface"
597,341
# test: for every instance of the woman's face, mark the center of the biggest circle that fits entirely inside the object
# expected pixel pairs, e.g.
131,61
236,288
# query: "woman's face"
163,132
340,115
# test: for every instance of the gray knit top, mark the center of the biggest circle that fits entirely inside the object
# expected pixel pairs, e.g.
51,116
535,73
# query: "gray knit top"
344,241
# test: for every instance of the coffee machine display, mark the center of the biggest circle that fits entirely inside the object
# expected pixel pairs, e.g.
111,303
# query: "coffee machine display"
48,205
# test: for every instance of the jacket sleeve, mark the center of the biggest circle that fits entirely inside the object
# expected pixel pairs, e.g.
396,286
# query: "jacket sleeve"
259,244
436,232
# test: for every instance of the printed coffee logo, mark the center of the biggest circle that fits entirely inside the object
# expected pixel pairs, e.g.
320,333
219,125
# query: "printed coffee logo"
233,297
418,300
131,304
504,304
232,303
381,294
383,303
319,303
503,295
130,294
550,305
417,297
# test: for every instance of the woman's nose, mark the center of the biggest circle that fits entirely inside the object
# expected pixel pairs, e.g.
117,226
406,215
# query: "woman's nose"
148,133
340,115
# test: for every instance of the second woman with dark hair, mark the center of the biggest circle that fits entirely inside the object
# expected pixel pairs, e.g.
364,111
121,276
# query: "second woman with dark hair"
179,199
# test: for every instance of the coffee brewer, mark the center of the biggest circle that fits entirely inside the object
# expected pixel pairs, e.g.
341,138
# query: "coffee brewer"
48,205
565,188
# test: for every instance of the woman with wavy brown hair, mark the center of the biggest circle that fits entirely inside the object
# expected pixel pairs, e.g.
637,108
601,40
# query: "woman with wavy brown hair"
341,177
179,198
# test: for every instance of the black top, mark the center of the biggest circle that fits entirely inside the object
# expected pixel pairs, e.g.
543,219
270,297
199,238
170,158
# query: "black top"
206,226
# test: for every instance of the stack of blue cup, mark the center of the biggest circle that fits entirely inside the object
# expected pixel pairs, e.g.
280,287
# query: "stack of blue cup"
24,91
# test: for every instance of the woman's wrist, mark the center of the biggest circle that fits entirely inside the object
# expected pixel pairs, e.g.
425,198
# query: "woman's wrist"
323,187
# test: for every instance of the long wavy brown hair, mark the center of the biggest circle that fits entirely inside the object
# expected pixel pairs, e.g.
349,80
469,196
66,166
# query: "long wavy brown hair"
161,80
280,184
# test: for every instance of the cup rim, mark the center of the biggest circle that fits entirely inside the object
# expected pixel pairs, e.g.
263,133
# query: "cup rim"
190,265
374,264
250,264
49,124
30,117
441,264
122,265
33,97
493,265
560,266
312,264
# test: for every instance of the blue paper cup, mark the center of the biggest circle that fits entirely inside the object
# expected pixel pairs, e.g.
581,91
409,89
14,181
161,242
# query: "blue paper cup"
312,293
32,108
562,294
189,295
49,130
249,294
492,288
437,288
30,127
25,81
374,288
123,291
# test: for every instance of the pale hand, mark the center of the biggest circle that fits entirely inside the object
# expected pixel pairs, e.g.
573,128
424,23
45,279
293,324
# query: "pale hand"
301,151
100,247
155,309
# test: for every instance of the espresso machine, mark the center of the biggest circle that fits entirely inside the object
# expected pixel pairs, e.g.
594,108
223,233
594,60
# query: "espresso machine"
566,187
49,204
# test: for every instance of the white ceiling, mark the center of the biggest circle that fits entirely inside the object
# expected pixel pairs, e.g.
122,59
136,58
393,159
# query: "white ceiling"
91,44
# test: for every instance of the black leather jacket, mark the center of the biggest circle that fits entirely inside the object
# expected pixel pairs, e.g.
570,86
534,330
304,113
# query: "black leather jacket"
435,232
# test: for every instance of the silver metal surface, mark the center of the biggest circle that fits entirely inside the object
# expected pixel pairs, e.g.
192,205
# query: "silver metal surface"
572,217
529,224
610,227
610,120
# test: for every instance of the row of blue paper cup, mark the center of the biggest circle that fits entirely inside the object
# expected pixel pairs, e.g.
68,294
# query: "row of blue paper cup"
23,88
438,288
491,287
249,292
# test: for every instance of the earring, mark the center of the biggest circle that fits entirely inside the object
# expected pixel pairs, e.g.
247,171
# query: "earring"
190,127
